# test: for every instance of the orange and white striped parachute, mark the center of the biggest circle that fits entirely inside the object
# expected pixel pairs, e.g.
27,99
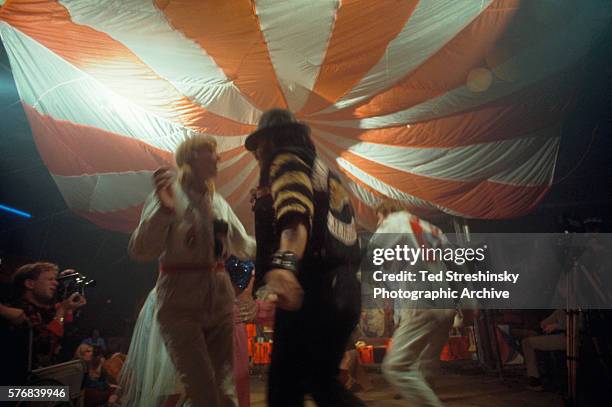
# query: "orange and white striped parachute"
449,105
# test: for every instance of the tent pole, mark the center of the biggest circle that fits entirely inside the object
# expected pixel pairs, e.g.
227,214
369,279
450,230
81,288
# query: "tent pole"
489,335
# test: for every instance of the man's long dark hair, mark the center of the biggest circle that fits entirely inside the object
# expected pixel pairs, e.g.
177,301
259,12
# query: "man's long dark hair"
285,130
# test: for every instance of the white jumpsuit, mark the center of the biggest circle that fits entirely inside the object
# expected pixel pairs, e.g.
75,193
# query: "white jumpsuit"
422,332
195,298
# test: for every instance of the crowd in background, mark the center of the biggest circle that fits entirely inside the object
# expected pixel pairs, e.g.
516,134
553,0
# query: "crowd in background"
34,326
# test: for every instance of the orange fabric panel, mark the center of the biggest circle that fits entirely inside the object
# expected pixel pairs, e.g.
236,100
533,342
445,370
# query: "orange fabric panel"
466,51
93,151
365,214
229,173
359,39
106,60
510,117
336,149
226,155
240,190
481,199
74,149
70,149
229,32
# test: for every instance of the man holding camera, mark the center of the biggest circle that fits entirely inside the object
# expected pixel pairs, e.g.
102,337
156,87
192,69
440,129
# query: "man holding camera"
35,286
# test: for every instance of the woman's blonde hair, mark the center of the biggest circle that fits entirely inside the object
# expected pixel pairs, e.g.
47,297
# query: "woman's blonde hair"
186,153
80,350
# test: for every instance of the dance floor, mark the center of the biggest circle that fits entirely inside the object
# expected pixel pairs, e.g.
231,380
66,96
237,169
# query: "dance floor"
455,387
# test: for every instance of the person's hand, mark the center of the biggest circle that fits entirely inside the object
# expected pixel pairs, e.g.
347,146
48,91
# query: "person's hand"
75,301
246,311
15,316
458,320
247,308
163,178
287,292
550,328
253,195
265,312
265,305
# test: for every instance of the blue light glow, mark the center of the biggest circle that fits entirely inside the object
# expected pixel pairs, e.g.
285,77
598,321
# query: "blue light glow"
15,211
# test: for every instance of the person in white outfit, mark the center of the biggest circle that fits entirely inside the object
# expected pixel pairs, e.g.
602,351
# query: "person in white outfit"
422,332
193,300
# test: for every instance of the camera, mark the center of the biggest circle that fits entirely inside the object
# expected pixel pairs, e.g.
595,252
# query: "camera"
73,283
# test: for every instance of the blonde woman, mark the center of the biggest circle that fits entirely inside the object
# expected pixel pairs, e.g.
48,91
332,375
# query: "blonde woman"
192,303
84,352
98,390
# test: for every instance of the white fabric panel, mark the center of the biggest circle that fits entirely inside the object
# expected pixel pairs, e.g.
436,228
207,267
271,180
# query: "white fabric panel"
469,163
432,24
391,192
537,170
92,192
226,163
360,193
297,35
246,193
231,186
136,23
56,88
536,63
366,196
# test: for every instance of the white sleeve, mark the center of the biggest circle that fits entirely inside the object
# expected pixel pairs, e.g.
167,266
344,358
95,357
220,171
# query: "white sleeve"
389,234
239,243
149,239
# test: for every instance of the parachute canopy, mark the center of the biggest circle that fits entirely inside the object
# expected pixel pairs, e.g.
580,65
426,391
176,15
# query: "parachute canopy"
451,106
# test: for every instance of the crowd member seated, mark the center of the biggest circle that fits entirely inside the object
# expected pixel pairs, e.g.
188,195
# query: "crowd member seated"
113,366
96,340
553,339
98,390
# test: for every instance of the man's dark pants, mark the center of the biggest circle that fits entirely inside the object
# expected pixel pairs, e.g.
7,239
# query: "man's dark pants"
309,343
